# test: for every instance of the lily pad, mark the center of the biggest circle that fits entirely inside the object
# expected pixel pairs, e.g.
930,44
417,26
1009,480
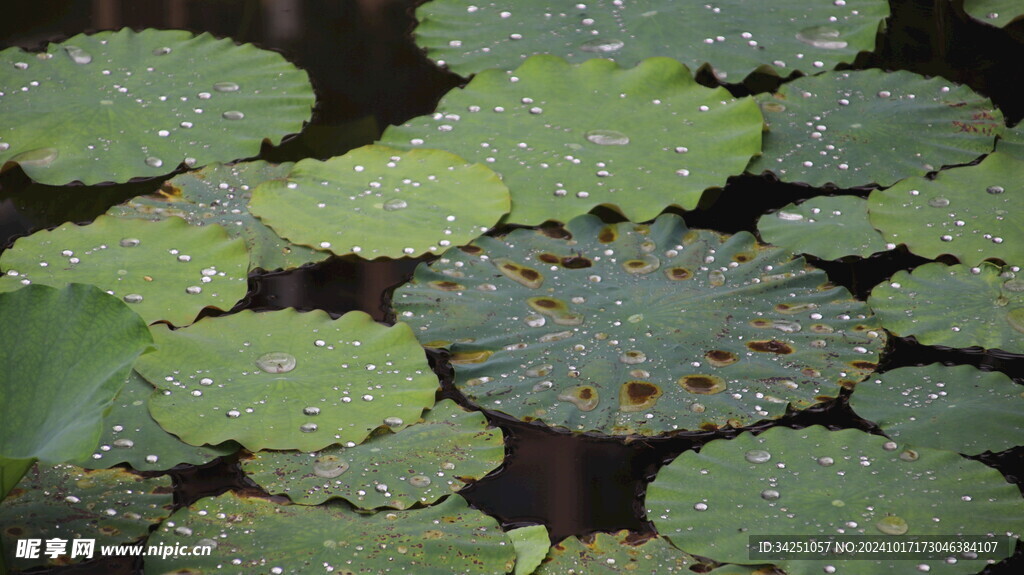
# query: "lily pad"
220,194
622,552
955,306
998,13
734,36
257,535
131,436
531,544
920,405
285,379
1011,141
827,227
66,353
639,329
815,483
110,507
566,138
113,106
164,270
423,463
869,127
973,213
379,201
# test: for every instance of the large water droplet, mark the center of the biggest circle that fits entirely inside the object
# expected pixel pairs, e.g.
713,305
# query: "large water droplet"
393,421
602,45
78,55
821,37
132,298
329,466
757,456
395,204
825,461
129,242
154,162
938,202
770,495
606,138
225,87
308,427
37,158
276,362
892,525
419,481
232,115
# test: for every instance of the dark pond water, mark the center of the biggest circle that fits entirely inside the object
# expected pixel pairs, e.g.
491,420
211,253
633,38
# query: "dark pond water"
367,74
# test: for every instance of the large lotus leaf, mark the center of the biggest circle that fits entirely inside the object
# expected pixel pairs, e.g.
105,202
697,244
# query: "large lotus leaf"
220,194
165,270
131,436
867,127
973,213
566,138
379,201
423,463
639,329
998,13
531,544
736,37
254,535
955,306
285,379
113,106
109,506
814,483
920,405
66,353
1011,141
621,552
826,227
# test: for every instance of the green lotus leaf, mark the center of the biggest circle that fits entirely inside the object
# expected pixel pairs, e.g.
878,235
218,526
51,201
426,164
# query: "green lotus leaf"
973,213
220,194
955,306
109,506
815,483
66,353
622,552
920,405
531,544
165,270
379,201
998,13
113,106
827,227
639,329
566,138
853,129
259,536
1011,141
423,463
285,379
131,436
735,37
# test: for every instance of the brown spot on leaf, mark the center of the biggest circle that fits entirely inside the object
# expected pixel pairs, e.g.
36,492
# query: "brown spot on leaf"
721,357
472,250
708,426
743,257
864,365
770,346
576,262
638,396
445,285
549,258
607,235
678,274
545,302
702,384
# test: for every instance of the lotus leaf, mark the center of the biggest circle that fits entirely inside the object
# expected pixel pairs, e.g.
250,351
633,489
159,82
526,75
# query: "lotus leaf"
852,129
257,535
220,194
531,544
603,553
423,463
998,13
379,201
131,436
63,363
736,37
638,329
164,270
827,227
286,380
920,405
818,483
1012,141
113,106
955,306
109,506
973,213
566,138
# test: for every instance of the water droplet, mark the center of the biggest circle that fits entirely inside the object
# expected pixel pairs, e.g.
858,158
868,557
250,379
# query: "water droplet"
132,298
311,410
633,357
892,525
602,46
232,115
154,162
789,216
821,37
233,413
308,427
130,242
329,466
37,158
162,51
225,87
825,461
152,458
938,202
276,362
994,189
78,55
123,443
381,487
395,204
700,506
393,421
757,456
419,481
606,138
769,495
